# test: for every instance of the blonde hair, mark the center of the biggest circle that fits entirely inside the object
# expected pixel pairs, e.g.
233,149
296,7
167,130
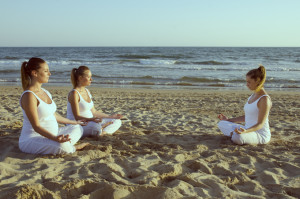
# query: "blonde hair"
260,73
34,63
76,72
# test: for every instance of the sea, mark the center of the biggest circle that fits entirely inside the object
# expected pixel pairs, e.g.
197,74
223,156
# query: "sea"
160,67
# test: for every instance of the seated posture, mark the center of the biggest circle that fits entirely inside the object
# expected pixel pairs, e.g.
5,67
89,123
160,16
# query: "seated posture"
257,108
40,132
81,107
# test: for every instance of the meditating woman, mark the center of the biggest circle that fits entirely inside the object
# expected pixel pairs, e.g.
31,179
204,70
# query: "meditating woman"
81,106
257,108
40,132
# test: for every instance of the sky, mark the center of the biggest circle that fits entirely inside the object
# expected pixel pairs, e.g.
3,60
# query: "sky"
267,23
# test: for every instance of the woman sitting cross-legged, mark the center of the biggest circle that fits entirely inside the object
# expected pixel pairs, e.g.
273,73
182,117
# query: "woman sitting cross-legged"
257,108
40,132
81,106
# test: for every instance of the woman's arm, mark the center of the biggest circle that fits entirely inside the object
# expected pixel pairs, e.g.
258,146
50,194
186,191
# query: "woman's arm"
235,120
29,104
99,114
62,120
264,105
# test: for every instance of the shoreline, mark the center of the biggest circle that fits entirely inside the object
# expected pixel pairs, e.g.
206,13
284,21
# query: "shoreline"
156,87
169,146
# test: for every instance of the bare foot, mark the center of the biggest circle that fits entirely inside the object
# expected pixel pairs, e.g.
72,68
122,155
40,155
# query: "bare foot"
103,133
79,147
103,126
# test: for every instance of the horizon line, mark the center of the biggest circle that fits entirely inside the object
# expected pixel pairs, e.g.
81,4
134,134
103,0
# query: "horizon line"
149,46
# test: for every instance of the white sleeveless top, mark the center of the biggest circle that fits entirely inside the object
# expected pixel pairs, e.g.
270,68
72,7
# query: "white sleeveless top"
46,118
85,108
251,116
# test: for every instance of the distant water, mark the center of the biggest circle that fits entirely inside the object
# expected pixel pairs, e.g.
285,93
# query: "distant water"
160,67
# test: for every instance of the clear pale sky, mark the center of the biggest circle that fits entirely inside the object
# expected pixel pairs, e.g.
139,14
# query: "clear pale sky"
150,23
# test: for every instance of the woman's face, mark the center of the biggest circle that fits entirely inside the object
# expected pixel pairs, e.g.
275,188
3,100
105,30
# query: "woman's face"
252,83
43,73
86,79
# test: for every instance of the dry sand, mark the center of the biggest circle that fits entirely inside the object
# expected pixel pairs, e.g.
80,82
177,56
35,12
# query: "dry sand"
168,147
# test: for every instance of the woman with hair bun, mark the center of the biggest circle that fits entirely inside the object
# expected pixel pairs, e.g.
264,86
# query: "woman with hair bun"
257,108
40,132
81,106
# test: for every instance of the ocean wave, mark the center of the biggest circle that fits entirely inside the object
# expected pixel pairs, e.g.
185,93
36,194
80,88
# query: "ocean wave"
216,85
149,56
198,79
10,80
142,83
11,58
156,62
168,82
216,63
10,71
129,61
148,77
211,63
130,56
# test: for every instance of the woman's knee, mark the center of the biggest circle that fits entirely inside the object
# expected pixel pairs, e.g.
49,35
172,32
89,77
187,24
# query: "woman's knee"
78,128
222,124
66,147
117,123
237,139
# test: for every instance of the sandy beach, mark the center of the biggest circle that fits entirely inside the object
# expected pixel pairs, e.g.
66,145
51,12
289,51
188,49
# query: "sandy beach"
169,146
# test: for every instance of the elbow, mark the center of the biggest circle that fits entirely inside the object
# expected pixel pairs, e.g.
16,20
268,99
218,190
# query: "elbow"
77,117
36,128
259,126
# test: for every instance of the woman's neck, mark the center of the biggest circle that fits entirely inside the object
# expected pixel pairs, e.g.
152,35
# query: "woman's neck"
35,87
80,88
260,92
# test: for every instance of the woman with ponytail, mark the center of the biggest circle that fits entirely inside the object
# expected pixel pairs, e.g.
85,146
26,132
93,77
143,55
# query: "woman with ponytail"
81,106
40,132
257,108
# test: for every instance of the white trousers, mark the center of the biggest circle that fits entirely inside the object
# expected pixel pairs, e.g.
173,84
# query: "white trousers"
94,129
43,145
244,138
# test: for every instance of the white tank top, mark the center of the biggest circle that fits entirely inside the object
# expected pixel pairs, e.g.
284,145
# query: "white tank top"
251,116
85,108
46,118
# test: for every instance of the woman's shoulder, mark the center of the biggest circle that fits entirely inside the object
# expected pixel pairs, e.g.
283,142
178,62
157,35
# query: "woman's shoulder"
27,93
28,96
265,99
265,95
73,94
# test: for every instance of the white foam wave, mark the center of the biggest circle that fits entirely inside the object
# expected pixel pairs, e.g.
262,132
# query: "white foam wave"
156,62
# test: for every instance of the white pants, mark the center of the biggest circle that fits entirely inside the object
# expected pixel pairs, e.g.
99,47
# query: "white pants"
94,129
43,145
244,138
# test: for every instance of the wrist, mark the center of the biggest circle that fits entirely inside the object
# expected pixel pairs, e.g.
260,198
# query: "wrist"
54,138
